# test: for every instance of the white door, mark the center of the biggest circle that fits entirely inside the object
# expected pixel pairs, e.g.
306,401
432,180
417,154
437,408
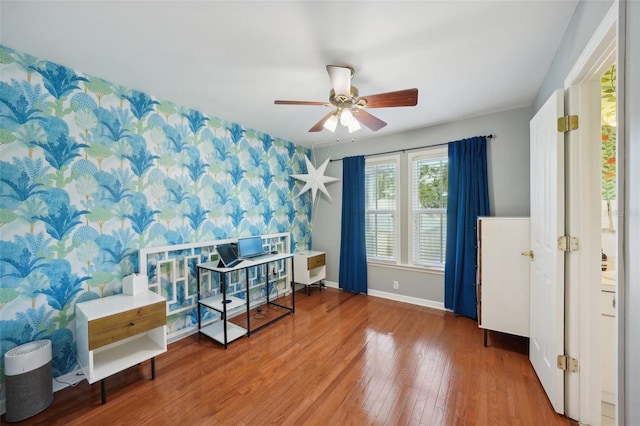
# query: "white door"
547,267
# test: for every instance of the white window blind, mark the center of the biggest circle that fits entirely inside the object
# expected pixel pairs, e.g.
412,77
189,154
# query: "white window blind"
381,185
429,207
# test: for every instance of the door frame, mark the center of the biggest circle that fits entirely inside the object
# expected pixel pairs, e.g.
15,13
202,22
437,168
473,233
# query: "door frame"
582,97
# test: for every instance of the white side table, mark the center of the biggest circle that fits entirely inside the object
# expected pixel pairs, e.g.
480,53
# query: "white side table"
118,332
309,268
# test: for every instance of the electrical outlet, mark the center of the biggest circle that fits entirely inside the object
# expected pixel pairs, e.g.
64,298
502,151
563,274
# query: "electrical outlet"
396,285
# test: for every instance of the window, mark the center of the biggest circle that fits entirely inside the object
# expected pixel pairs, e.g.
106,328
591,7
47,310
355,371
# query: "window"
417,180
381,208
428,195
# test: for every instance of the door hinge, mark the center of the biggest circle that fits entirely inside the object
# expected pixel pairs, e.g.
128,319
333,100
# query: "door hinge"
566,243
568,122
566,363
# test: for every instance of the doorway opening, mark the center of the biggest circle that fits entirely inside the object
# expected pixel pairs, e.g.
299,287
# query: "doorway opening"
608,243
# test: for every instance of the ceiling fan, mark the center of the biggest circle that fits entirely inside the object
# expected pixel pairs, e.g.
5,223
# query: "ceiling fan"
350,106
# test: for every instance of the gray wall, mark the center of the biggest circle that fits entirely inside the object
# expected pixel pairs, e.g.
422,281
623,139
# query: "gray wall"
508,165
631,244
585,20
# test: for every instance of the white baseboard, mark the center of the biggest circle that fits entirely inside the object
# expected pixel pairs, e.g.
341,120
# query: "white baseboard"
407,299
330,284
181,334
397,297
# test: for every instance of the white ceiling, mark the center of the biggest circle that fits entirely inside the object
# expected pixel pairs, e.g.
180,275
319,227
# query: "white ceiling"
232,59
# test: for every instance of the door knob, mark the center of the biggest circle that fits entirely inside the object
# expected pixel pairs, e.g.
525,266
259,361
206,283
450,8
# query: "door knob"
527,253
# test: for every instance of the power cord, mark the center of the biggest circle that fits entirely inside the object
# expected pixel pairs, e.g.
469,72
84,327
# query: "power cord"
73,385
259,313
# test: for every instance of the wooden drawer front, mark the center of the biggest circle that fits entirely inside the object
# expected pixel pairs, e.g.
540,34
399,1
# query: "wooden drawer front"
113,328
315,261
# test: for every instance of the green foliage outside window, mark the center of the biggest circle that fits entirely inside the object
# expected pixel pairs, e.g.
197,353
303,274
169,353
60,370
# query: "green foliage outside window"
433,184
608,90
386,186
608,111
608,163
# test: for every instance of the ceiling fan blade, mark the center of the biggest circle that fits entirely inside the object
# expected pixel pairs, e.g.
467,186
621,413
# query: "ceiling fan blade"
340,79
299,103
320,124
408,97
369,120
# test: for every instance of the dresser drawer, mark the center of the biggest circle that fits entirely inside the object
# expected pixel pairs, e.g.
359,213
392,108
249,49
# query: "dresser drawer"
315,261
112,328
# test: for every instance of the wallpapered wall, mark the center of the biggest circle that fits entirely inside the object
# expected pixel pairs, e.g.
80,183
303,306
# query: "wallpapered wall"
91,171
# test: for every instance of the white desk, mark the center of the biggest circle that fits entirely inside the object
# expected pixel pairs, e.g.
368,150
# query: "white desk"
224,331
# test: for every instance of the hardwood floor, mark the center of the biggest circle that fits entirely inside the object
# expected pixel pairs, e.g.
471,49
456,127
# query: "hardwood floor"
340,359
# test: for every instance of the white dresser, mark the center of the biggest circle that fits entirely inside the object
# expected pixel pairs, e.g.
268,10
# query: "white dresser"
503,275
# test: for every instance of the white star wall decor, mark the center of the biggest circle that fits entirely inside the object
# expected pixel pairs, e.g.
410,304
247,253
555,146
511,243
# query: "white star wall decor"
314,179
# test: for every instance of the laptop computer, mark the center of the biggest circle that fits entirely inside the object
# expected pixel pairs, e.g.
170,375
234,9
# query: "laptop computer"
228,255
251,248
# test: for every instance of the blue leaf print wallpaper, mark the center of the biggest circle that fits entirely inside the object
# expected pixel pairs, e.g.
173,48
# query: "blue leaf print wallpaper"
91,172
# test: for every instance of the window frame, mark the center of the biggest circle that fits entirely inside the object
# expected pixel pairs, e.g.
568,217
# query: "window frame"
397,237
428,153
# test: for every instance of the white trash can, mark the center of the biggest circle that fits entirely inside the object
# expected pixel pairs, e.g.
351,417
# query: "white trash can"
28,380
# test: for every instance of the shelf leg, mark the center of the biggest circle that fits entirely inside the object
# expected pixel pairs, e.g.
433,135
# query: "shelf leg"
103,387
246,287
293,287
198,307
223,315
153,368
485,337
267,283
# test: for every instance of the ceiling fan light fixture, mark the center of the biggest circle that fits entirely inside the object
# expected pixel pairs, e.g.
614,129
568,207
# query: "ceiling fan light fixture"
354,126
349,121
346,117
331,123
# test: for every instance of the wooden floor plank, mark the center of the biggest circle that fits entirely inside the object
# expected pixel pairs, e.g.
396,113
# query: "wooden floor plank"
340,359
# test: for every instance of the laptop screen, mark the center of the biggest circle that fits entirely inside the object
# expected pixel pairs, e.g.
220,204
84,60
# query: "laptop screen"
227,254
251,246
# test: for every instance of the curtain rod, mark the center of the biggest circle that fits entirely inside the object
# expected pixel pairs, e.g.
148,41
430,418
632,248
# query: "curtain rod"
406,149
